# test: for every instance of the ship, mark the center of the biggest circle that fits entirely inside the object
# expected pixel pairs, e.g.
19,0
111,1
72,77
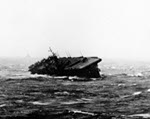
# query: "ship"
67,66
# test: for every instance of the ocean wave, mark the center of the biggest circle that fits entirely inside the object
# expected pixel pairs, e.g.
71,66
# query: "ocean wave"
130,74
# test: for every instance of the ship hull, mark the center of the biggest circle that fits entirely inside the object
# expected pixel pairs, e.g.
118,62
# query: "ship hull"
67,66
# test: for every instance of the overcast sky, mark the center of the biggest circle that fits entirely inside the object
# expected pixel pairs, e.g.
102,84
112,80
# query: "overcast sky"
104,28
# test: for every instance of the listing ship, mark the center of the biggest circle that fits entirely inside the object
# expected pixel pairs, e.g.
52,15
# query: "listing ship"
67,66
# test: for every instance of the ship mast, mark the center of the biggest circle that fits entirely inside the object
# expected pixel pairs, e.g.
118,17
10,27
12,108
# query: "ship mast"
50,50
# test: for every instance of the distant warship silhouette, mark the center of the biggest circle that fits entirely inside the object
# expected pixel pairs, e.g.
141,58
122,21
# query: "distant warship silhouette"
67,66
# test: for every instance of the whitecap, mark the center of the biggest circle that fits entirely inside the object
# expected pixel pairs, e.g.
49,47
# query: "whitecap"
134,84
59,77
137,93
40,75
70,102
40,103
2,105
62,93
147,115
94,79
121,84
136,75
148,90
139,74
82,112
73,77
125,96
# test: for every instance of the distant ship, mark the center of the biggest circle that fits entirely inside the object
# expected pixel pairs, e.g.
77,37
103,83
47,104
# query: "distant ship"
67,66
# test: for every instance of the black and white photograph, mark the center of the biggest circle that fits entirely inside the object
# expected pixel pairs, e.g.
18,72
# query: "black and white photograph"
75,59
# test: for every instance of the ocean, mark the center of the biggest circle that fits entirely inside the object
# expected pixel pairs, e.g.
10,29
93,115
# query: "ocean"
123,92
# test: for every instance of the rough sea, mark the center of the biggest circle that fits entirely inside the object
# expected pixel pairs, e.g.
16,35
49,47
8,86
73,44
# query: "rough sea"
123,92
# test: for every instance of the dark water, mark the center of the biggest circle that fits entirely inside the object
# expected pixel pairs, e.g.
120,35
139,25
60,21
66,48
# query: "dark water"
124,93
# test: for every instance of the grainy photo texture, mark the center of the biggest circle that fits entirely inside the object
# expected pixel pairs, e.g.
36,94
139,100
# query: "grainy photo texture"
74,59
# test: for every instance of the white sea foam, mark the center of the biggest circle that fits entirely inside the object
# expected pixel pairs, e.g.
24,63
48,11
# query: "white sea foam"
62,93
137,93
147,115
139,74
82,112
40,103
59,77
134,84
73,77
2,105
70,102
121,84
148,90
38,75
